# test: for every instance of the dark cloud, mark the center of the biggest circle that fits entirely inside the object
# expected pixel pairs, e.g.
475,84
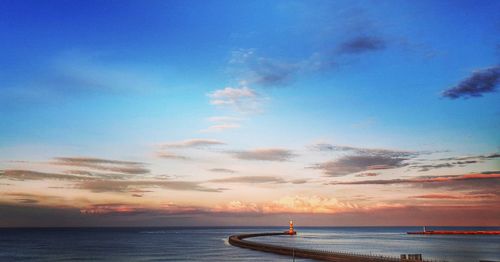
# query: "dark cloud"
474,181
270,72
90,160
27,201
362,44
299,181
480,82
170,155
423,168
367,174
475,158
97,175
455,161
34,175
222,170
125,167
427,167
469,196
325,147
27,198
132,185
353,164
250,180
264,154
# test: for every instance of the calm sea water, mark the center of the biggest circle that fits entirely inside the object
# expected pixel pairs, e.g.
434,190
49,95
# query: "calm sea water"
210,244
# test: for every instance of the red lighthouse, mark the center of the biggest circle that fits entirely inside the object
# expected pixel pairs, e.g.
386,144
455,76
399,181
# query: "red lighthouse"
290,230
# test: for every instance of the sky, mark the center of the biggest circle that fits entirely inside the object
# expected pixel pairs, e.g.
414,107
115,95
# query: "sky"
249,113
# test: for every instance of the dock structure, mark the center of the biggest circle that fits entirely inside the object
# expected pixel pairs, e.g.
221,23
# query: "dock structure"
323,255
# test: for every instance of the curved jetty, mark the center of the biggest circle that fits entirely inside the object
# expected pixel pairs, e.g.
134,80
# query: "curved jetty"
239,241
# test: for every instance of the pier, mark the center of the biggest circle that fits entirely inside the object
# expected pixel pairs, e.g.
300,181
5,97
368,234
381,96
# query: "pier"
454,232
323,255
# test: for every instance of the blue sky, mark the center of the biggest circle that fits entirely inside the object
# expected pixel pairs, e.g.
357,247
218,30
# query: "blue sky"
128,80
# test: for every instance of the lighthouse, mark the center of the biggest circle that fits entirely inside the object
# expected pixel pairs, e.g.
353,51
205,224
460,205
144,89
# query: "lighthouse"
290,230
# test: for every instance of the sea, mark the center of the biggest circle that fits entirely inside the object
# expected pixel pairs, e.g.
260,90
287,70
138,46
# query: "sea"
211,243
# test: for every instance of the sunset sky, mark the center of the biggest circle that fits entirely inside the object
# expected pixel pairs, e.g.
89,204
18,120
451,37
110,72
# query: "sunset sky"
222,113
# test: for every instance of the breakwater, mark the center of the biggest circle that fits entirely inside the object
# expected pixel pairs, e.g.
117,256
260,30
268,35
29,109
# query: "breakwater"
323,255
456,232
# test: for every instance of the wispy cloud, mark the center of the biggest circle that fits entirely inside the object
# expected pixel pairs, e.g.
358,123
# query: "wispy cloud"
250,180
459,181
455,162
18,174
325,147
243,99
74,73
447,196
194,143
131,185
170,155
361,159
367,175
352,164
221,123
262,71
223,119
480,82
362,44
125,167
220,127
264,154
222,170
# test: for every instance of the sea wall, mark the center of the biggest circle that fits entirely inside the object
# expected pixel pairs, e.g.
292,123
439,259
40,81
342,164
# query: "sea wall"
323,255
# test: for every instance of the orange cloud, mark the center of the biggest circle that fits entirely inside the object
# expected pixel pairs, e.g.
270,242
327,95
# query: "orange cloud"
290,204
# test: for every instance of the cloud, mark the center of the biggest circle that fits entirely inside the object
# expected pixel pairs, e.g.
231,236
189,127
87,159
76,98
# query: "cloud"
367,174
455,161
220,127
222,170
353,164
194,143
22,175
325,147
27,201
74,73
250,180
467,181
480,82
474,158
362,44
269,72
446,196
223,119
125,167
99,186
423,168
221,123
170,155
264,154
289,204
243,99
260,70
